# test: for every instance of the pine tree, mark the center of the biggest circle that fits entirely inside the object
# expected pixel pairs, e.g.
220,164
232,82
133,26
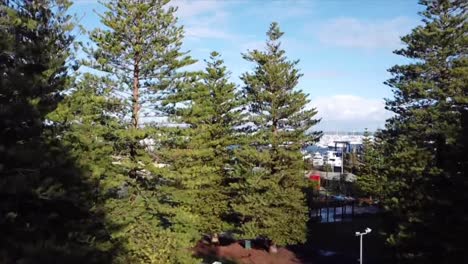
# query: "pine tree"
200,159
46,214
425,143
270,171
86,128
138,53
369,181
89,131
31,76
140,49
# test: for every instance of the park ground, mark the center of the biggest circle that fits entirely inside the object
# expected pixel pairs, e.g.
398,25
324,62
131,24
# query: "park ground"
328,243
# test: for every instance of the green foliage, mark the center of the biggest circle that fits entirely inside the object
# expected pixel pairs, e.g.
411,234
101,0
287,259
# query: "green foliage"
424,145
370,182
87,130
351,162
138,57
139,50
46,211
35,48
199,158
269,175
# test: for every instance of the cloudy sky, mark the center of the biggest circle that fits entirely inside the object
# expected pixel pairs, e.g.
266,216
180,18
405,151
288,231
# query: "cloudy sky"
344,46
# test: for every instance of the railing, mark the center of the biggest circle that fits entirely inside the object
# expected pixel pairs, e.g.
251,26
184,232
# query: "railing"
332,211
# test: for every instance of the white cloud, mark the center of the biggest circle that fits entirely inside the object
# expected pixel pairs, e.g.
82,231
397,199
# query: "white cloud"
351,109
287,43
323,74
282,10
367,34
204,19
201,31
192,8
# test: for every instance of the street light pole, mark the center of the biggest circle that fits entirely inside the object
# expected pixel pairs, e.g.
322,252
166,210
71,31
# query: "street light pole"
367,231
360,249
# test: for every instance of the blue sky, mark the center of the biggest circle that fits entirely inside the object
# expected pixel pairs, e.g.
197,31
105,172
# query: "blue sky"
344,46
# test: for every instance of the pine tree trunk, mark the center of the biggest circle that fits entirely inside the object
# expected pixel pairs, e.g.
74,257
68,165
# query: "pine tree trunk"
136,108
215,238
274,129
136,91
272,248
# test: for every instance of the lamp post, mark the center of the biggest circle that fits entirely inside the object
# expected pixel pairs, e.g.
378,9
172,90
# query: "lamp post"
367,231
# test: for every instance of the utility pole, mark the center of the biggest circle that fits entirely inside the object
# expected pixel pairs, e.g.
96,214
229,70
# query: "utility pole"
367,231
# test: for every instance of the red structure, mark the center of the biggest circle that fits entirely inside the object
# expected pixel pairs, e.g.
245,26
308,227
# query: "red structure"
315,177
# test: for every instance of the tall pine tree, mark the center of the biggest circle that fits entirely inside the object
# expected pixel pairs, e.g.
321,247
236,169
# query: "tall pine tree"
270,171
425,143
86,127
138,53
46,210
139,49
370,182
200,160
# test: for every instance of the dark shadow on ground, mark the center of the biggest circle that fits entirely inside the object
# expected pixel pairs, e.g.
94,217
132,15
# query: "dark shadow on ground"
336,242
328,243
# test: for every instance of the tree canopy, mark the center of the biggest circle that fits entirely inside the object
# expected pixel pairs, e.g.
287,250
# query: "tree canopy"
425,142
269,174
